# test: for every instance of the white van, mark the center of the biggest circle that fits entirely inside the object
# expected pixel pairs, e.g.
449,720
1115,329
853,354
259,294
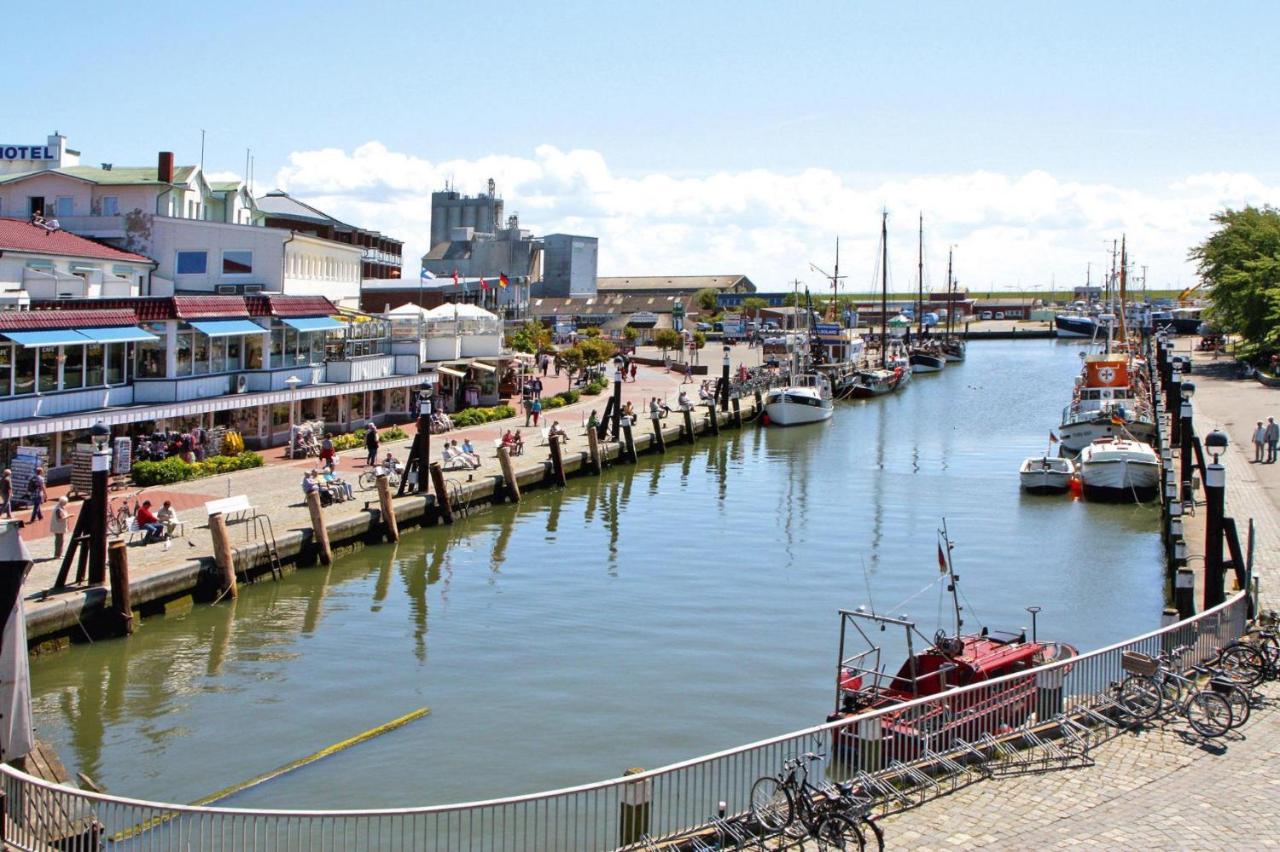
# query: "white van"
986,314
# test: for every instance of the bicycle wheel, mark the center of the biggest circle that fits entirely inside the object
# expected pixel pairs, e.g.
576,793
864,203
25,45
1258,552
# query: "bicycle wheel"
1242,663
876,832
1237,697
771,804
368,480
838,832
1170,690
118,524
1209,713
1139,697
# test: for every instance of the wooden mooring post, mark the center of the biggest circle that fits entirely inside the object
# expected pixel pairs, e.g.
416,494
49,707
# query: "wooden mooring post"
389,524
689,436
443,508
593,450
659,440
509,473
713,419
628,439
222,555
319,532
736,404
557,459
118,570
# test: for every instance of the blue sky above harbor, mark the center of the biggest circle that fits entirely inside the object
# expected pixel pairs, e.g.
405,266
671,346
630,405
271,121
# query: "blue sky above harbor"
708,137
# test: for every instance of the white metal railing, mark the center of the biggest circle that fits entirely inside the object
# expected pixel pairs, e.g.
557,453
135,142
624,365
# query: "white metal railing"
662,802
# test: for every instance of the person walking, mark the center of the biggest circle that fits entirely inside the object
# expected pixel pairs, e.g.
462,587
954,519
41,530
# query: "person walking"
371,445
1259,441
633,371
1273,438
37,490
6,493
537,410
58,525
528,409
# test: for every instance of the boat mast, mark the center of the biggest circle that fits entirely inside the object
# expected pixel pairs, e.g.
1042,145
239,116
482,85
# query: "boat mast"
951,577
951,300
835,286
884,289
920,277
1124,261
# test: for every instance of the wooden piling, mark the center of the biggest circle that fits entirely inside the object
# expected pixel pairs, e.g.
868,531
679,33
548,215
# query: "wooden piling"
736,404
443,508
222,555
509,473
659,440
320,533
557,459
389,523
593,450
689,436
713,419
628,440
118,570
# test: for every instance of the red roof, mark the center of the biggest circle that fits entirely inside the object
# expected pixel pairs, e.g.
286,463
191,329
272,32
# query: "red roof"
209,307
289,306
51,319
20,235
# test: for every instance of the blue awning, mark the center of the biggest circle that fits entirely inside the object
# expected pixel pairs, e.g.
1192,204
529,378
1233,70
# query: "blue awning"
121,334
61,337
314,323
227,328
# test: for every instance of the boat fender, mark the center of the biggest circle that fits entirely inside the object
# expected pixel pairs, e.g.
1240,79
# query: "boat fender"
764,418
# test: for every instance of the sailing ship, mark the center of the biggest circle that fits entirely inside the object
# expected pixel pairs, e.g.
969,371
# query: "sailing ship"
835,351
952,346
1077,323
925,356
948,660
891,375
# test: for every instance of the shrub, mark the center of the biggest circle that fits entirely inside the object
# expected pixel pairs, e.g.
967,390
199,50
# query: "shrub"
475,416
596,386
174,469
347,442
395,433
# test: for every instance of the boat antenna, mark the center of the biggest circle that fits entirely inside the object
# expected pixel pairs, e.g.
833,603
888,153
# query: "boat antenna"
945,546
1124,262
920,280
951,301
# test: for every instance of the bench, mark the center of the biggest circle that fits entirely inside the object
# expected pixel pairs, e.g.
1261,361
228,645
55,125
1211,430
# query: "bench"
179,530
228,506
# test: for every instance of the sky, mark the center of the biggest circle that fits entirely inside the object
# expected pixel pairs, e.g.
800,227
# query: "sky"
705,137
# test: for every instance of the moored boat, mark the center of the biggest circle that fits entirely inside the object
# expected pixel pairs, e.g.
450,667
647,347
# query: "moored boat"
1075,325
1046,474
927,360
1119,470
806,400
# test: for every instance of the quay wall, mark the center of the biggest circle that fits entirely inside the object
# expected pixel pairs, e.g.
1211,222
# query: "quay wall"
87,616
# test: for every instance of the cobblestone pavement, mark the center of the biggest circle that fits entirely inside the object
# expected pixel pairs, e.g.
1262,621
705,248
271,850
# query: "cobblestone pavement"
1163,788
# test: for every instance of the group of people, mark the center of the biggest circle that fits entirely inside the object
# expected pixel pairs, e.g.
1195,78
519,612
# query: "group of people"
1265,439
37,489
466,455
331,487
513,441
157,525
190,446
658,408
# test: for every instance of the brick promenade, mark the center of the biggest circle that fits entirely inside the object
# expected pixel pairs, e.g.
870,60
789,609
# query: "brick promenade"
1160,789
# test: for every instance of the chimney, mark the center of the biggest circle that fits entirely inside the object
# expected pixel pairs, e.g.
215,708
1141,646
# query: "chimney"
164,169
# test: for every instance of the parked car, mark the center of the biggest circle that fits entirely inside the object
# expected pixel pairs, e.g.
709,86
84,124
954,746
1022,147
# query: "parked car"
999,315
703,326
770,325
986,314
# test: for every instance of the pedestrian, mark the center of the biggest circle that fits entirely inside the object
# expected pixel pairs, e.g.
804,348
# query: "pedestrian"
326,451
58,525
593,421
37,491
528,410
546,362
1259,442
537,410
537,387
1273,438
633,371
371,445
6,493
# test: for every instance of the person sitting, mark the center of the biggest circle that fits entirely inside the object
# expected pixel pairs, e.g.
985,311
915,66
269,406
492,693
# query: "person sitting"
149,523
517,443
684,402
593,422
467,449
470,459
557,433
168,517
311,483
337,487
391,464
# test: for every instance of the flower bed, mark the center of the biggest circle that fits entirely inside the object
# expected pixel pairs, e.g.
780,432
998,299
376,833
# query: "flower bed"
174,469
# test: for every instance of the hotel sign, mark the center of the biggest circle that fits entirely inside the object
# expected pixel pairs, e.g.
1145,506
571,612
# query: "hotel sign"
27,152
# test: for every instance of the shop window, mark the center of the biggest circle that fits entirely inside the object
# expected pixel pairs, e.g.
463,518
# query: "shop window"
24,373
280,415
355,406
253,351
184,353
200,353
47,381
6,370
114,357
72,367
149,356
192,262
219,347
235,349
237,263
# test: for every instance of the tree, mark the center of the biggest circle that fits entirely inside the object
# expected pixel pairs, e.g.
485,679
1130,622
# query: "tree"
630,334
699,341
573,360
667,338
1241,263
531,337
596,350
589,331
789,300
706,298
754,305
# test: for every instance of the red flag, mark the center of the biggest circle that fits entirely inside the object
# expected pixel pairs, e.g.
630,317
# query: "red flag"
484,285
503,280
1116,420
942,559
1053,439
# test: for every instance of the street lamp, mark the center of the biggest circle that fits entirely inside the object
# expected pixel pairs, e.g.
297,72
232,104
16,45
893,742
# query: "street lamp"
99,433
724,378
292,382
1215,487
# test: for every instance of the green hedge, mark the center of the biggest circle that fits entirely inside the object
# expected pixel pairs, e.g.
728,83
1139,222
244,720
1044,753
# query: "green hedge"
174,469
596,386
349,441
475,416
568,397
395,433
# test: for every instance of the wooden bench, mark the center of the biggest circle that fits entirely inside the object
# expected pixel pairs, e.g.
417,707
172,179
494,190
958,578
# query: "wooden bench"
228,506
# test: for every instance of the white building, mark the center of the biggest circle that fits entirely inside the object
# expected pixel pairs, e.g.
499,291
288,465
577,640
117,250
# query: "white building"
36,263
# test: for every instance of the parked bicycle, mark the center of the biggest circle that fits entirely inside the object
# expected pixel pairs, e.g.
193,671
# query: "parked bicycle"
1142,697
369,478
788,803
119,515
1174,682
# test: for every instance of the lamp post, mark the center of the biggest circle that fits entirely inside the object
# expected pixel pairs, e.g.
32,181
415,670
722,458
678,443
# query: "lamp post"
724,379
292,382
1215,486
1173,393
100,433
1186,390
616,426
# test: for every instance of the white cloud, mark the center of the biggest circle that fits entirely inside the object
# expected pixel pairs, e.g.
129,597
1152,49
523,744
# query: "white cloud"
1010,230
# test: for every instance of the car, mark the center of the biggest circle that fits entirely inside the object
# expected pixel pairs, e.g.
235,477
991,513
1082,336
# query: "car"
986,314
703,326
999,315
770,325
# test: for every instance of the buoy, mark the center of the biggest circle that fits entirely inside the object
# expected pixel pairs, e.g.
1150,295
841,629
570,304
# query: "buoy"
1076,488
764,418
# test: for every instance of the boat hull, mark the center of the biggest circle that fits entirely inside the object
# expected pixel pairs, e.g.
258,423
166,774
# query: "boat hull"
1076,436
797,414
1045,481
925,362
1120,480
1074,326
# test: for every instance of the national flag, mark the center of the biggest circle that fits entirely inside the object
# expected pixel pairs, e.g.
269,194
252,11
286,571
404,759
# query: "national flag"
1117,420
484,285
942,559
1053,439
503,280
425,275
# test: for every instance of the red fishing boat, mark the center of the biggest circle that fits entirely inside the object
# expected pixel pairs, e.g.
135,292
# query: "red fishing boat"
945,662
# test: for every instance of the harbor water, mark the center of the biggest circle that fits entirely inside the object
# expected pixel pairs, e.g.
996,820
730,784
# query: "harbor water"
663,610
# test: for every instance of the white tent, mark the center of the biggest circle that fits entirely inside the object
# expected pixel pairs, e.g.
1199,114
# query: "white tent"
407,311
461,310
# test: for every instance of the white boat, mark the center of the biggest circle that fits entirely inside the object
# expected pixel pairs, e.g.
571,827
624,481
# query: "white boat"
1110,400
1046,474
1119,470
806,400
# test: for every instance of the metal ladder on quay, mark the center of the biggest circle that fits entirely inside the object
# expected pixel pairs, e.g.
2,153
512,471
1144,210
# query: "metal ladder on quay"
260,531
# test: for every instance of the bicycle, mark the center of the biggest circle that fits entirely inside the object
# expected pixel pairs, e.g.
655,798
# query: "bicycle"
118,519
784,802
369,478
1141,696
1173,682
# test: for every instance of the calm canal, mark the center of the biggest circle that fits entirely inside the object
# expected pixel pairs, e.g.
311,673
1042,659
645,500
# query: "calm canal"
654,614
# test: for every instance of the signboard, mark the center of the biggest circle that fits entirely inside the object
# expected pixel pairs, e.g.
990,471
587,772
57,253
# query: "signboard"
27,152
731,324
830,329
643,319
